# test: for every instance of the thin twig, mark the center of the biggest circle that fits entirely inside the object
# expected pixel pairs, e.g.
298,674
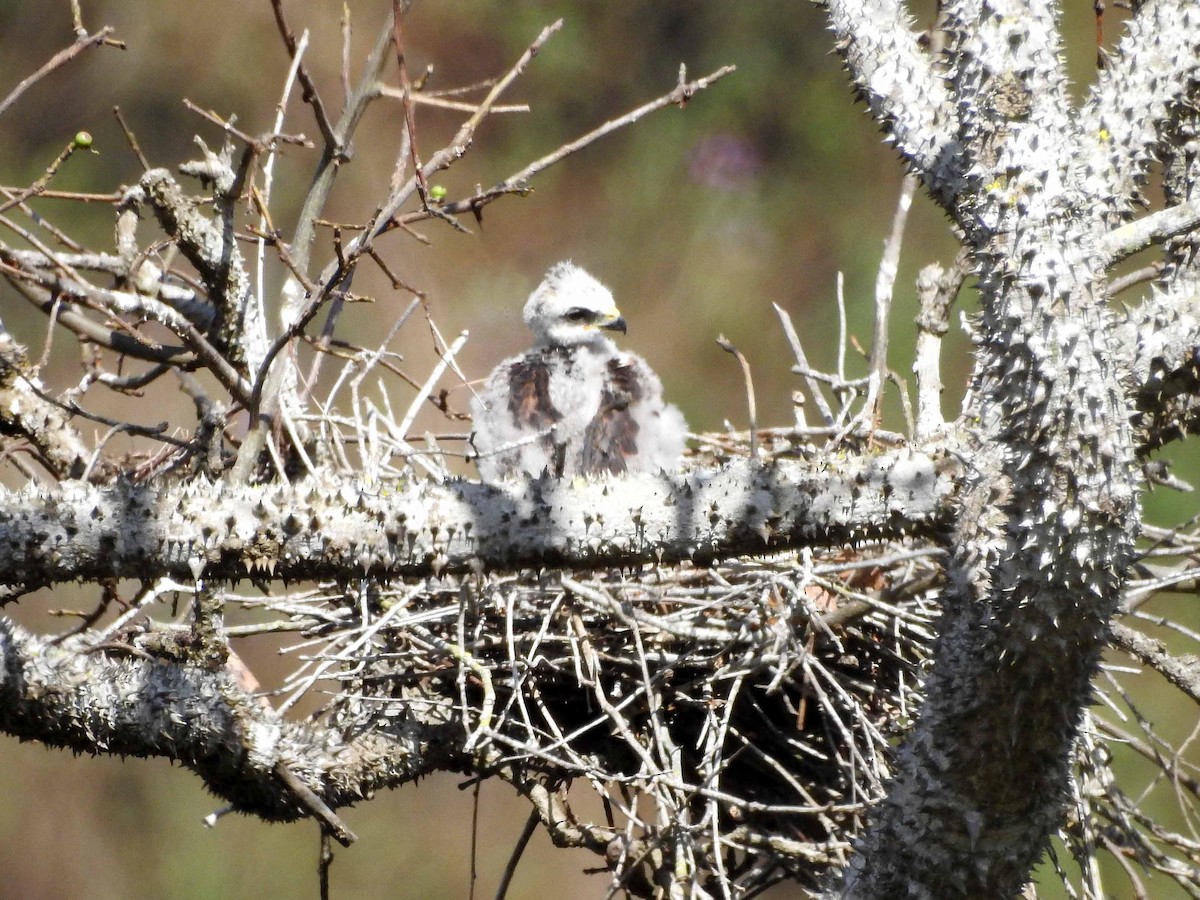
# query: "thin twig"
885,282
410,119
39,185
311,96
751,405
324,863
77,196
337,828
510,868
518,182
59,59
131,139
1181,671
456,105
814,386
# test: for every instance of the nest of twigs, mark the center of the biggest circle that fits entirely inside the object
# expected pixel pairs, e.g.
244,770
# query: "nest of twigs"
733,721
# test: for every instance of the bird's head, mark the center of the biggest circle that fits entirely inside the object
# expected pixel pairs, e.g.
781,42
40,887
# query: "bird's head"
570,307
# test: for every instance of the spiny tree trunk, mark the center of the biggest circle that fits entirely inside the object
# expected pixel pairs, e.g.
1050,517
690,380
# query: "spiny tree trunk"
1048,512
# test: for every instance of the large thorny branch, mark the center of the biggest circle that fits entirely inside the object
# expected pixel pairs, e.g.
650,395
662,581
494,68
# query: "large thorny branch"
321,529
119,698
1047,524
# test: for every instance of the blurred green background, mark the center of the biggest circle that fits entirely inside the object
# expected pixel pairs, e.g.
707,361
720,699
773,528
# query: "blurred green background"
760,191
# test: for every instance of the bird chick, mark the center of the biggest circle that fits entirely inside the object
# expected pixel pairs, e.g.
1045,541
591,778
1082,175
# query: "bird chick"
574,404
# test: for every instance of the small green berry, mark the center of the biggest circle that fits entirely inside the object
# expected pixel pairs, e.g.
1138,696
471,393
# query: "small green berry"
83,141
438,193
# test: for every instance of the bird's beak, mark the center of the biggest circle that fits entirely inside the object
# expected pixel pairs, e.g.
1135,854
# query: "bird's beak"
611,321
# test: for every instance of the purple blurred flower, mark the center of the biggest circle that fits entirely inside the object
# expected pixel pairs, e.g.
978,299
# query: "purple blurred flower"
724,161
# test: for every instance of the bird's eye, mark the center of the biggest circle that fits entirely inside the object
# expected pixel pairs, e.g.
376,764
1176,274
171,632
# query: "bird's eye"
578,314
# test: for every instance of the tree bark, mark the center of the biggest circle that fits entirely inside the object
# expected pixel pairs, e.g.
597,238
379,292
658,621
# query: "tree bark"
328,527
1049,511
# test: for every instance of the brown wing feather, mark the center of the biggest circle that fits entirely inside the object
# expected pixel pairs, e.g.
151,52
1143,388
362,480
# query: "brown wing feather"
611,437
531,407
529,394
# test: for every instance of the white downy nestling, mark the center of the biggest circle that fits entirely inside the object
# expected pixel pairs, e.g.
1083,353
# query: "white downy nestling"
574,404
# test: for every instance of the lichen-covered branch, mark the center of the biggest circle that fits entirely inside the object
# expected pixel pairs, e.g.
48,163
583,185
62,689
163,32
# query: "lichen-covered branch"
323,528
117,698
213,250
25,412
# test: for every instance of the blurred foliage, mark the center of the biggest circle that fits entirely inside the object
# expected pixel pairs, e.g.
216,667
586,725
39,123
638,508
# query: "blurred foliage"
761,190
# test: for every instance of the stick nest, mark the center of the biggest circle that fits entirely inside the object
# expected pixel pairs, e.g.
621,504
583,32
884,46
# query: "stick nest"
733,722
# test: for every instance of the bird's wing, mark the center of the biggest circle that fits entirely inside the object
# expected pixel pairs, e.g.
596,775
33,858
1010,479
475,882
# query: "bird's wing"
610,439
529,394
